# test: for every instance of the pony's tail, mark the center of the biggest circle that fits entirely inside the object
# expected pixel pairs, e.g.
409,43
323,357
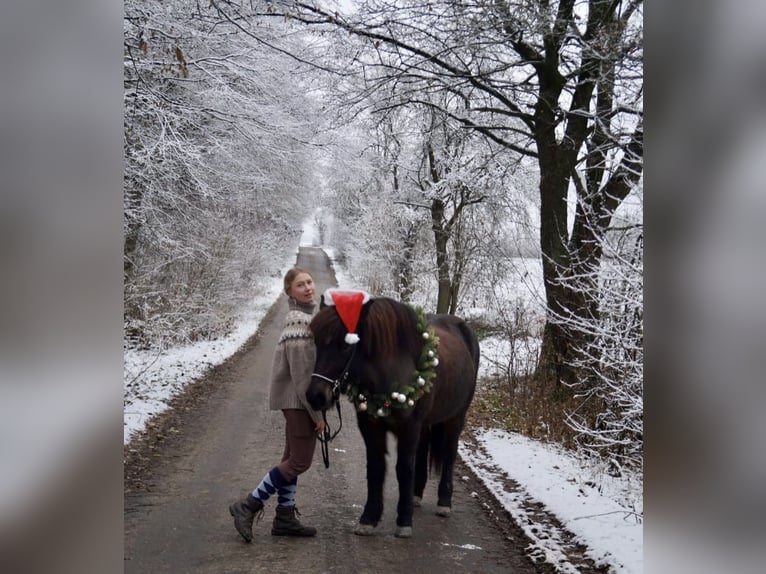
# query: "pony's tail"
437,448
472,342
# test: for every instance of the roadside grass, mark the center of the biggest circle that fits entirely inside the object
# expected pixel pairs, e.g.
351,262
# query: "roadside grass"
525,405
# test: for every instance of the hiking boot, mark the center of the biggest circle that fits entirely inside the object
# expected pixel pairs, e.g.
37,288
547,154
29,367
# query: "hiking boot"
244,512
287,524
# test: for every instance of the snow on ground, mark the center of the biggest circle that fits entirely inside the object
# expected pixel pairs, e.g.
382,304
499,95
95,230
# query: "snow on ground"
600,511
152,378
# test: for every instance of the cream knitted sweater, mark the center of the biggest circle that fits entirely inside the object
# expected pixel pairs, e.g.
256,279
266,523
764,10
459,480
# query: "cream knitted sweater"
293,362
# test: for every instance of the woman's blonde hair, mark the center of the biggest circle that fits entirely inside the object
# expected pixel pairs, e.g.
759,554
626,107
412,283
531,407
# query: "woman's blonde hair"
291,275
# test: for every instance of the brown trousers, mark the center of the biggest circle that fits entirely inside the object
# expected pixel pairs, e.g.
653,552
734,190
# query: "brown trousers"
300,441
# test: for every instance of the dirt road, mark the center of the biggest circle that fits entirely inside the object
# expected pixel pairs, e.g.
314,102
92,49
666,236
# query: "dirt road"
220,438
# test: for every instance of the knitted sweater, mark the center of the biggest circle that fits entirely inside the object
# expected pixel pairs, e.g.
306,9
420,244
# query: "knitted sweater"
293,362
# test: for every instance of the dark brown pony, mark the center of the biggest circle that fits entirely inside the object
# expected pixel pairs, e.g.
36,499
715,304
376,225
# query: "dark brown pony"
381,364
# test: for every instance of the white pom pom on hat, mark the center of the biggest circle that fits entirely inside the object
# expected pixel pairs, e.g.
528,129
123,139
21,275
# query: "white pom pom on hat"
348,304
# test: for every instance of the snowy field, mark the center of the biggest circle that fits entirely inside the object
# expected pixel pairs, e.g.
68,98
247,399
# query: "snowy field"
603,513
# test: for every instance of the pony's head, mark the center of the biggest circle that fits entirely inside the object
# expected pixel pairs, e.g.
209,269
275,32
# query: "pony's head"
385,332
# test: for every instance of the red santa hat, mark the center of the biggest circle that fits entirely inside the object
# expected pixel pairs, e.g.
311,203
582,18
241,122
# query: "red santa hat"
348,304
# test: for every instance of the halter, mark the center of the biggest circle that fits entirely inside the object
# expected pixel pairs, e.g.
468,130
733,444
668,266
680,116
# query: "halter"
339,386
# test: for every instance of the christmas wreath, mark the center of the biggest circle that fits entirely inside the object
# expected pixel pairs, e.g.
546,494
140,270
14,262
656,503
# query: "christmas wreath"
420,383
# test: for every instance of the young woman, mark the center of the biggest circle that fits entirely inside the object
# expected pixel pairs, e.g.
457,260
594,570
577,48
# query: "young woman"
291,371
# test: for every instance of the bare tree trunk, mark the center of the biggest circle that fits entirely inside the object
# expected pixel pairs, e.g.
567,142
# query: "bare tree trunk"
441,237
554,181
405,271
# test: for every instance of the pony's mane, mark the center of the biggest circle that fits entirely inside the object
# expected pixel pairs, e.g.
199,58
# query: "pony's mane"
386,329
389,328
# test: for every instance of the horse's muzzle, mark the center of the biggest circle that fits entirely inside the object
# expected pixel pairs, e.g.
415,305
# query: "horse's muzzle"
319,395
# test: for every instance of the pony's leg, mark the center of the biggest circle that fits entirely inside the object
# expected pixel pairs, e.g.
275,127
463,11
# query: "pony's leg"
452,431
421,465
375,445
407,444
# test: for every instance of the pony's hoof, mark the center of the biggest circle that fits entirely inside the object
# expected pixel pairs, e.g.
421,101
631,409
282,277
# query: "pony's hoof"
443,511
364,529
417,501
403,532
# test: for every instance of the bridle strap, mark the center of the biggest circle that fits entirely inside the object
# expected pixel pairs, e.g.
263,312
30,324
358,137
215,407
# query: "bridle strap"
338,387
340,384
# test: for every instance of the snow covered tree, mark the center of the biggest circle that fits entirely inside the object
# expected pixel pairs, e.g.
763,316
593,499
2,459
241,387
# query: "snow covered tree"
377,235
420,213
608,358
218,160
557,81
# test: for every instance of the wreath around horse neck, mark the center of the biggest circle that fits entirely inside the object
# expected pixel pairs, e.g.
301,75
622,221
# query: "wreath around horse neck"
420,383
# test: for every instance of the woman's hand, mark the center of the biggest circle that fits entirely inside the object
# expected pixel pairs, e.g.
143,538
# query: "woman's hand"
319,427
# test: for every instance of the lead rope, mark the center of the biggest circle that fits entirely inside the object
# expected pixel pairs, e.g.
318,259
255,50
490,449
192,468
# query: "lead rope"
339,386
328,436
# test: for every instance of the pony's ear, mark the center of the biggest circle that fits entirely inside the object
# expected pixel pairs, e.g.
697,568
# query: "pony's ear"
322,304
